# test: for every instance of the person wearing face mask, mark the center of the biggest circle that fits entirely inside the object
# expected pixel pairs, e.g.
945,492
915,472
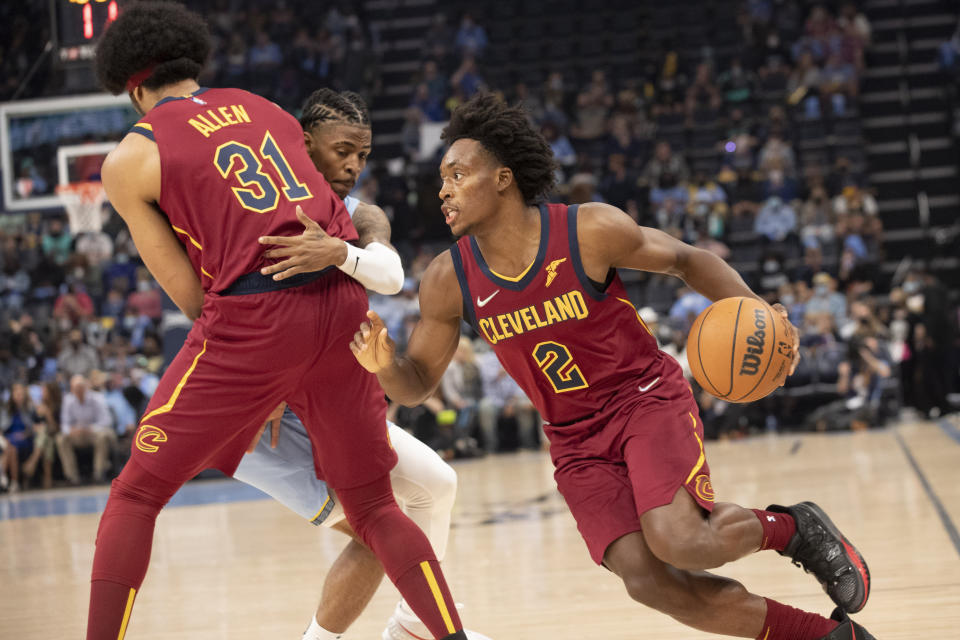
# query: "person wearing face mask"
76,357
826,298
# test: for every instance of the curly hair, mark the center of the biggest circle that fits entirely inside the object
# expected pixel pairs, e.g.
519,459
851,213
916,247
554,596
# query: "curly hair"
327,105
165,35
507,134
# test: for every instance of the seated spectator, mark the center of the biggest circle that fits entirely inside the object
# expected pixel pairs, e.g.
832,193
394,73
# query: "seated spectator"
467,78
855,201
45,430
530,102
410,134
86,423
593,104
56,242
838,83
702,93
687,307
503,404
666,174
736,83
146,300
73,306
803,86
773,276
14,283
125,417
17,423
776,220
432,110
777,154
706,203
826,299
76,357
812,265
563,151
817,220
619,186
462,389
471,38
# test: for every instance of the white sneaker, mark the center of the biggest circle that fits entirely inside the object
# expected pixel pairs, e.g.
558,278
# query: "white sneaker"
405,625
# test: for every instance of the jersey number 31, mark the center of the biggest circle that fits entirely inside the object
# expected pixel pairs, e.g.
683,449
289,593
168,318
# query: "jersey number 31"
258,192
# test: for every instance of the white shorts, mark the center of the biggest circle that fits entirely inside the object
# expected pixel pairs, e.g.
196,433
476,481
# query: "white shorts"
424,485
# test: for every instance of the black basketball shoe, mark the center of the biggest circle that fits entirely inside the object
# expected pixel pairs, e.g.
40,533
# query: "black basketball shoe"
848,629
819,548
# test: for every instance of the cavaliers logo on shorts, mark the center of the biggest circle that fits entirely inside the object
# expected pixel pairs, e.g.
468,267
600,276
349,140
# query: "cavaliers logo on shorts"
703,488
148,437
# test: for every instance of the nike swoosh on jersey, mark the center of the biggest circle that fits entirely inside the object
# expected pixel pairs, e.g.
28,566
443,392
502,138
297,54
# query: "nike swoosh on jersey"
483,303
649,385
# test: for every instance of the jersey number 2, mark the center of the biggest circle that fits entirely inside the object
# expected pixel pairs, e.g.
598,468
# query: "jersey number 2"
258,192
553,359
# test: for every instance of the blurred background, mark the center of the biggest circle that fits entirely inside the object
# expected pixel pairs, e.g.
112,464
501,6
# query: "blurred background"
813,145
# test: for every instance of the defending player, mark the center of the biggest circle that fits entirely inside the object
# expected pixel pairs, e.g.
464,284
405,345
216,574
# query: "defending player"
338,138
200,177
539,283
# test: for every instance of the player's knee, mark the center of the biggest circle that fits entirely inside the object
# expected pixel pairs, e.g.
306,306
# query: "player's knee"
680,547
643,588
445,484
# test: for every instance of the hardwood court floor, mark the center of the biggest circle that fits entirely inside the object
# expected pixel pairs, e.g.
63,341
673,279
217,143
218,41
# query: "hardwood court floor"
250,569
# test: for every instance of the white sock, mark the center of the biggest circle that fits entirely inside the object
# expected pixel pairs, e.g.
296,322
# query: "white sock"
316,632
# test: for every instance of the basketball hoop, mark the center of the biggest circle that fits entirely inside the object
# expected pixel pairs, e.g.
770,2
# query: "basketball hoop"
84,204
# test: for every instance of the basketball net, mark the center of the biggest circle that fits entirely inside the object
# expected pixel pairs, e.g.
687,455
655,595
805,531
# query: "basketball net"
84,204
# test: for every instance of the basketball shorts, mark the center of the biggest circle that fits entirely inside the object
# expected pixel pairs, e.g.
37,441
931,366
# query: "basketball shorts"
630,458
424,485
246,354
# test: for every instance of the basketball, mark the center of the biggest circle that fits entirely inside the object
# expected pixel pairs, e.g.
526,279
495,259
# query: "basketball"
739,349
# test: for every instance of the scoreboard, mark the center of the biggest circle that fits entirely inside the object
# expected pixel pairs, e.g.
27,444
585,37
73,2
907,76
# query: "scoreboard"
77,24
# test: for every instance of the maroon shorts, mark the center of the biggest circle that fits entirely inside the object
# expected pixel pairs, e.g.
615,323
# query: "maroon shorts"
243,357
630,458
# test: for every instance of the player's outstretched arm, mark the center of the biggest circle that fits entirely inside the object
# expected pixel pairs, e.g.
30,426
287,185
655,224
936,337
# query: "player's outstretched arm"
131,178
610,238
410,379
377,266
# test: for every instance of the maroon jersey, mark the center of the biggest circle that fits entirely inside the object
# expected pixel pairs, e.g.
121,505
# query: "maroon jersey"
572,344
233,168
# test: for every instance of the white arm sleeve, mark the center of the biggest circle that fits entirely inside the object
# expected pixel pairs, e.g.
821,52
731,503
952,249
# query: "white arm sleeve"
377,267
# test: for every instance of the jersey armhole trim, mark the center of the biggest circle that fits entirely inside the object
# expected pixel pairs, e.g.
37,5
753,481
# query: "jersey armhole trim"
143,129
592,288
468,310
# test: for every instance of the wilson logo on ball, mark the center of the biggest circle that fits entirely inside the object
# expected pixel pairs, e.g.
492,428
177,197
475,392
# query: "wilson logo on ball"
750,364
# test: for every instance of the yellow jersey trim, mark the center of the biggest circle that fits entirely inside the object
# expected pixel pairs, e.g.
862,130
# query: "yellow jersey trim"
168,406
702,457
145,125
515,278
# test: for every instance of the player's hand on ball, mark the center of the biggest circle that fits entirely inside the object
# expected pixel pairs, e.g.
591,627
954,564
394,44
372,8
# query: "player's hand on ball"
794,336
312,250
371,346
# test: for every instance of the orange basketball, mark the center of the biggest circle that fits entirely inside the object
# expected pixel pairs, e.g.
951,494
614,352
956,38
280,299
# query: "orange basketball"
739,349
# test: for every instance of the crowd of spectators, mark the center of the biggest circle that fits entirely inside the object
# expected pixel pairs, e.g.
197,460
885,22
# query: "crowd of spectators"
712,149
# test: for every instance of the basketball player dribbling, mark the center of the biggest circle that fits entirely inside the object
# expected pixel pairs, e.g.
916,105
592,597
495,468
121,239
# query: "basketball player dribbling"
539,283
338,137
202,176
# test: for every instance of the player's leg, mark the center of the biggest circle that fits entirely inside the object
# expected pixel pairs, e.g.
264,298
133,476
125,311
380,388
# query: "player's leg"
287,474
343,408
425,486
683,527
181,433
705,601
